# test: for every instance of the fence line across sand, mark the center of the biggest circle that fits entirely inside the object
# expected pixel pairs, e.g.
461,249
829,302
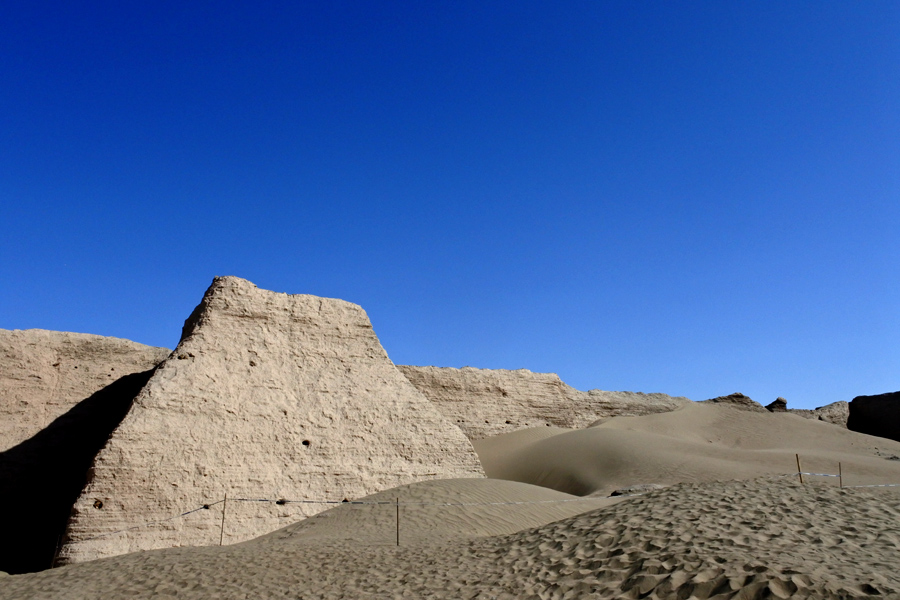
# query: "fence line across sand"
283,501
396,502
843,486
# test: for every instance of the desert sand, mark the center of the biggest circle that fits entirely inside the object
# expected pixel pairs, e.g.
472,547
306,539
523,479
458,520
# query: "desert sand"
698,442
733,522
763,538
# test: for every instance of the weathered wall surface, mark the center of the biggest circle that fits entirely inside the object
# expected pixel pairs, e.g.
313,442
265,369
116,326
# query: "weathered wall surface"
43,374
876,415
486,402
61,395
266,396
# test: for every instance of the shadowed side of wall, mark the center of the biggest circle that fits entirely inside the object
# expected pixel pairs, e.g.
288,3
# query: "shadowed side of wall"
41,478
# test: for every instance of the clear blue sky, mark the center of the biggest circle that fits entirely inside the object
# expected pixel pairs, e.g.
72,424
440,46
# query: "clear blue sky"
695,198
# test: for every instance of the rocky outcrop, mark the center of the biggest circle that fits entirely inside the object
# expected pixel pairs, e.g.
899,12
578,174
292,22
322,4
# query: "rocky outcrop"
876,415
738,400
835,413
61,395
486,402
777,405
267,396
43,374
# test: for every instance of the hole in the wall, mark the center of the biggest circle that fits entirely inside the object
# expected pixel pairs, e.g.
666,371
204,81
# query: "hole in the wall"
252,363
509,422
98,503
306,442
281,502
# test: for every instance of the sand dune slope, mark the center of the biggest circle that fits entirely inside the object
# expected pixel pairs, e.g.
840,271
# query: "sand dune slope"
434,512
765,538
698,442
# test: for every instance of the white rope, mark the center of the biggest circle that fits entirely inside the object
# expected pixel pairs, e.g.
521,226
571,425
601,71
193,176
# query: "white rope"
875,485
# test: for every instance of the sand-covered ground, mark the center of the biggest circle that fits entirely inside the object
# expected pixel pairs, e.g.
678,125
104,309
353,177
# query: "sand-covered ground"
733,522
695,443
763,538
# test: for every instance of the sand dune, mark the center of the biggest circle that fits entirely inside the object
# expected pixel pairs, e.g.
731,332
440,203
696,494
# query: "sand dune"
764,538
695,443
733,523
437,511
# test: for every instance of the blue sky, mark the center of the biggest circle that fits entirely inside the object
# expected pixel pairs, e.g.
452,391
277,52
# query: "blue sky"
694,198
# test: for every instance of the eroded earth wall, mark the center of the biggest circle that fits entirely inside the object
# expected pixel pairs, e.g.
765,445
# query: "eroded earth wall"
267,396
61,395
486,402
46,373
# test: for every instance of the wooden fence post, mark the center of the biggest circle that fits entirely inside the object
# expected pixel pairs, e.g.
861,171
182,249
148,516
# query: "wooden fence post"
222,528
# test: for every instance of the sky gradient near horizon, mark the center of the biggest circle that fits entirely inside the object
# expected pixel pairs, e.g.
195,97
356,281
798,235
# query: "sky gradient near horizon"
692,198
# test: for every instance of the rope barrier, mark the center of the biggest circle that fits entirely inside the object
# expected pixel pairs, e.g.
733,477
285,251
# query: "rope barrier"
357,502
874,485
846,486
805,473
151,523
387,502
283,501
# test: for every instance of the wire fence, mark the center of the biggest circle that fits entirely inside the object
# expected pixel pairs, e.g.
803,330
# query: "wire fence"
837,475
398,503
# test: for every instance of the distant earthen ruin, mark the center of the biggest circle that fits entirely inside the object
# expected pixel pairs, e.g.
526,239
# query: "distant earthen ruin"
486,402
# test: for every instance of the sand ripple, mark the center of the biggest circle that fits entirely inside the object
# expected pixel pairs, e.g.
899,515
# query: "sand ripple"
765,538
